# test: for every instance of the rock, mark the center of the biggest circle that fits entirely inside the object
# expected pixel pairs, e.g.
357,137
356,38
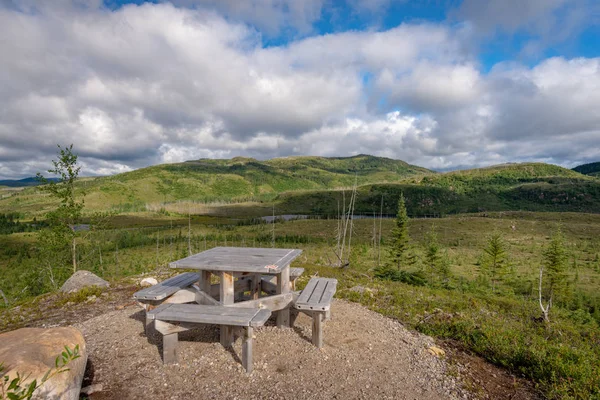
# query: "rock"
148,282
82,279
436,351
32,352
92,389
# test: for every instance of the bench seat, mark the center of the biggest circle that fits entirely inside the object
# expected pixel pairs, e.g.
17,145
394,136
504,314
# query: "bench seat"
269,284
170,319
315,300
167,287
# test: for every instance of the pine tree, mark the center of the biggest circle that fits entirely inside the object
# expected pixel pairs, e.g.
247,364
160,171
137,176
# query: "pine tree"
555,268
494,260
432,253
400,238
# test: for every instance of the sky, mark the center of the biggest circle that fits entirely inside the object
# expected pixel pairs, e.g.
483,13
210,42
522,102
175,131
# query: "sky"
443,84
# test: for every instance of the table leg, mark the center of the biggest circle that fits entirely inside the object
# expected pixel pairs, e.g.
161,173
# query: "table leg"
255,287
226,292
205,282
283,286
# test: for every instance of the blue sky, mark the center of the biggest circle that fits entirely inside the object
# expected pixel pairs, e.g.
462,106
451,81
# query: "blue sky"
445,84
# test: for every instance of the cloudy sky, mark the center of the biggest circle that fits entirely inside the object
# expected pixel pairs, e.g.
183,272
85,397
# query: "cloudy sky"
444,84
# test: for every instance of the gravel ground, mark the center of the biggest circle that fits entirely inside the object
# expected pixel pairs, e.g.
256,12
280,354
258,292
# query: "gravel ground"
365,355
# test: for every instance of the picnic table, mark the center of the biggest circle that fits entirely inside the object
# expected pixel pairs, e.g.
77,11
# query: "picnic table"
190,299
248,266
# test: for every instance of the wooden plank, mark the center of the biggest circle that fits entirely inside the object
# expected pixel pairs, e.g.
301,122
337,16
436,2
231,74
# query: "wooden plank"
295,273
317,295
240,259
170,348
283,286
247,349
269,285
273,303
255,287
168,287
226,296
152,313
205,285
220,315
240,285
182,296
203,298
260,318
307,291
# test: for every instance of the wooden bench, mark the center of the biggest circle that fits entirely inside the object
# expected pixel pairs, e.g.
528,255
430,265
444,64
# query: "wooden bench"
315,300
170,319
269,285
175,288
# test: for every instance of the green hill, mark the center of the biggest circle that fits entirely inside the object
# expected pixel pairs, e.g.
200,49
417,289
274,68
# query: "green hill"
235,180
529,186
592,169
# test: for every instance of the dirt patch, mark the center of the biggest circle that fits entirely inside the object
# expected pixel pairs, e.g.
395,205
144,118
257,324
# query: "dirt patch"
365,355
486,380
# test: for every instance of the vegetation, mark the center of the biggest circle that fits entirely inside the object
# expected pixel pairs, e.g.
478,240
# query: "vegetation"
494,263
400,238
60,238
589,169
17,389
459,283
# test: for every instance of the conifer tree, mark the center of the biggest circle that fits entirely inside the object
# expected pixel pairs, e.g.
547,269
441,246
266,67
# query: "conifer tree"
494,262
400,238
554,266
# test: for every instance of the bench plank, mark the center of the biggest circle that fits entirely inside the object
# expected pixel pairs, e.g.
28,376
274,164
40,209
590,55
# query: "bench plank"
168,287
317,295
203,314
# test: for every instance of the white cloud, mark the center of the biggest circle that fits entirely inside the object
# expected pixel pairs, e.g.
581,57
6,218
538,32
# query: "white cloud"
156,83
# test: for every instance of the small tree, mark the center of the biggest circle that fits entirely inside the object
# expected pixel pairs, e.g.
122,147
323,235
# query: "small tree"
62,220
400,238
436,261
554,265
432,252
494,261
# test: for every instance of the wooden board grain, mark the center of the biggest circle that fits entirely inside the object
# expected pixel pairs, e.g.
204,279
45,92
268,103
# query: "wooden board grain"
168,287
239,259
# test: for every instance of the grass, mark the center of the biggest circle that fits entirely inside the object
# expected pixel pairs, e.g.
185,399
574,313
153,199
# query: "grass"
504,328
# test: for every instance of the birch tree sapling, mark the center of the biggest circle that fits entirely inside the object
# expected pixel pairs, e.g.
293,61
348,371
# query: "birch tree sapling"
60,238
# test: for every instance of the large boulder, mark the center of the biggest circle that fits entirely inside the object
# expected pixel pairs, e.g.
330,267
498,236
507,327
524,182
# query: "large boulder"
82,279
32,352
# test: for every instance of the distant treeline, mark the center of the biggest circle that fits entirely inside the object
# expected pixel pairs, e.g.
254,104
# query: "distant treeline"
9,223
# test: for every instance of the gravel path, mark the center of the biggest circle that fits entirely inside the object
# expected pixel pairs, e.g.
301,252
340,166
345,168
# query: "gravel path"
365,355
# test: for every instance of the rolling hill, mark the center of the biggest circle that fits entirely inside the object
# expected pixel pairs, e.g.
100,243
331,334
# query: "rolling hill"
31,181
527,186
592,169
312,185
235,180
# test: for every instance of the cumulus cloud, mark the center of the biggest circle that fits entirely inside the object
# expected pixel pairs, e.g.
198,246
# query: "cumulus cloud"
153,83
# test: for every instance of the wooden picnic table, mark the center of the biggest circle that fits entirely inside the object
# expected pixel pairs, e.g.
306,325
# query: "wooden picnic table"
230,263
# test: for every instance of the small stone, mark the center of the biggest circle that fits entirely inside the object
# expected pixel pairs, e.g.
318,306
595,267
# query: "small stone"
146,282
92,389
436,351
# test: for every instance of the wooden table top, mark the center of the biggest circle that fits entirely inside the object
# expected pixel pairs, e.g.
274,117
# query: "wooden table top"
239,259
